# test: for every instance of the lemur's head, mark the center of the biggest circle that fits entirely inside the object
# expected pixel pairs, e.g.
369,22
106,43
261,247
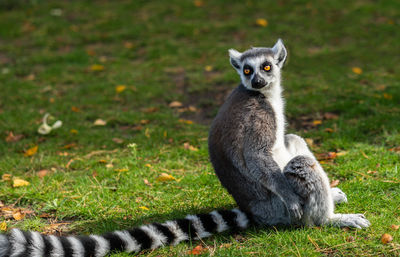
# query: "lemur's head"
259,67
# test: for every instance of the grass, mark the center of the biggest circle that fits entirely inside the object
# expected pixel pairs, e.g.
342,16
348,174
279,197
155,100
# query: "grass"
160,51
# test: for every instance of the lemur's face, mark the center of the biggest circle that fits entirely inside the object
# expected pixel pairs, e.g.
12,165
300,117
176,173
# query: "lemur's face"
259,68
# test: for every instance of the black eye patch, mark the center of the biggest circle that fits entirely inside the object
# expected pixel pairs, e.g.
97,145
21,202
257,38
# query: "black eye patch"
266,66
247,70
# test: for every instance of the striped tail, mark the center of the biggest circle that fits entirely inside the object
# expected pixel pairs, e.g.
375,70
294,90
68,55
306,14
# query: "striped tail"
193,227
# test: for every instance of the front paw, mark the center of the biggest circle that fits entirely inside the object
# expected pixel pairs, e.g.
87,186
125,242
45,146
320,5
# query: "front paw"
295,210
353,220
338,195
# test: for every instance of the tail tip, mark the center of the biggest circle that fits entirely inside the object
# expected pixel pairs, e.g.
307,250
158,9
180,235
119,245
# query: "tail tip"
4,245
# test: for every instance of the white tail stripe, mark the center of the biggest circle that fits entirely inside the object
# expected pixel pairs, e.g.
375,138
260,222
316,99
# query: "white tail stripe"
158,239
77,248
37,246
58,250
18,242
177,231
198,225
102,246
241,218
131,245
221,224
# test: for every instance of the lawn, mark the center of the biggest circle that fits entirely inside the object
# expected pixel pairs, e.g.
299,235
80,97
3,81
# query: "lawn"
136,85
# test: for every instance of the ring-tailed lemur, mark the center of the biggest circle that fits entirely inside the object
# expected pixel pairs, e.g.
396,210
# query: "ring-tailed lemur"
273,177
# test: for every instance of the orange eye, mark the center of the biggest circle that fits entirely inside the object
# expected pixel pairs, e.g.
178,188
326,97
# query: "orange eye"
267,67
246,71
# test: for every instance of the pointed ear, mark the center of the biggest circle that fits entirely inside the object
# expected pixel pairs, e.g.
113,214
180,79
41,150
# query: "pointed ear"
280,53
235,58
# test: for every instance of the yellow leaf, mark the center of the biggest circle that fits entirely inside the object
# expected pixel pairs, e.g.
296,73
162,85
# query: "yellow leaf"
99,122
17,182
185,121
75,109
387,96
317,122
102,161
31,151
18,215
3,226
120,88
208,68
148,165
341,153
357,70
165,177
175,104
96,67
121,170
262,22
144,208
147,133
73,131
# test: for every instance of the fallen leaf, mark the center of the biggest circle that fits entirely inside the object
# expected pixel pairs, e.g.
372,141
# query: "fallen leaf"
18,215
117,140
208,68
387,96
30,77
357,70
191,108
91,52
147,133
331,116
13,138
197,250
128,45
350,239
329,130
175,104
99,122
109,165
121,170
31,151
6,177
341,153
317,122
147,182
73,131
102,161
395,149
150,109
96,67
335,183
3,226
144,122
395,227
309,141
144,208
190,147
42,173
69,146
363,154
386,238
17,182
165,177
75,109
198,3
185,121
262,22
120,88
148,165
372,172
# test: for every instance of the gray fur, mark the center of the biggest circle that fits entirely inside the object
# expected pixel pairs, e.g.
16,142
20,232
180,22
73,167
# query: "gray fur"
4,245
247,147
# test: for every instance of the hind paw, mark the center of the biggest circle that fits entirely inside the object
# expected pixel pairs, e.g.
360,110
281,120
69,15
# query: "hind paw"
351,220
338,195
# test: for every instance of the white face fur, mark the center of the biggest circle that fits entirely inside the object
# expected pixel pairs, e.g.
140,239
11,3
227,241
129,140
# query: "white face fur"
259,68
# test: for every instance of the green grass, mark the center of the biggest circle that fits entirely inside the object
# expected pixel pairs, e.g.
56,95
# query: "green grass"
45,67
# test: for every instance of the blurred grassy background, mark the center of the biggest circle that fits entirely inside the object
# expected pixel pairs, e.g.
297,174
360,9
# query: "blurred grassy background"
68,57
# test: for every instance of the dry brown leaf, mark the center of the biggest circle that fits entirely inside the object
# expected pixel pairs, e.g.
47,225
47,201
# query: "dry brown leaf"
117,140
331,116
198,3
13,138
198,250
175,104
309,141
386,238
128,45
329,130
191,108
18,215
165,177
99,122
69,146
395,149
395,227
6,177
109,165
42,173
144,122
31,151
147,182
363,154
75,109
335,183
387,96
190,147
150,109
17,182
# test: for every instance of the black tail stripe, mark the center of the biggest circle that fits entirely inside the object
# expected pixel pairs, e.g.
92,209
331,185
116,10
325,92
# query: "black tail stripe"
48,247
208,222
28,239
141,237
166,232
116,243
89,244
66,246
187,227
230,218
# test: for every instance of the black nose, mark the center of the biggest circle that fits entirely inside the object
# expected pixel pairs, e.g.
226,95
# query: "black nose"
257,82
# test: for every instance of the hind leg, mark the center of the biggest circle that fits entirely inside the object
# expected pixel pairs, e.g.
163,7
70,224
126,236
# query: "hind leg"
270,211
309,180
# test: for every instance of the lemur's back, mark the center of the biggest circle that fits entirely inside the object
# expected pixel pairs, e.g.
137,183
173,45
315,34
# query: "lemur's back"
244,115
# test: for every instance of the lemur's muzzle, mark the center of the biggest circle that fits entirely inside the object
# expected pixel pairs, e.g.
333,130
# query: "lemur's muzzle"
258,82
